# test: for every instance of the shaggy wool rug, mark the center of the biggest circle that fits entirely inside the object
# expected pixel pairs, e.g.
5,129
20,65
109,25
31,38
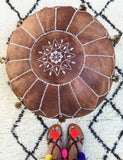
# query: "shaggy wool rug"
22,133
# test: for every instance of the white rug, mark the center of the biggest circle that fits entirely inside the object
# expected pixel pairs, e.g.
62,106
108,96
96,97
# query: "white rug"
23,134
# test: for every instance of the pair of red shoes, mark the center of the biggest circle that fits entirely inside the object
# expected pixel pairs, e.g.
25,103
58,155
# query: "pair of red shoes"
75,140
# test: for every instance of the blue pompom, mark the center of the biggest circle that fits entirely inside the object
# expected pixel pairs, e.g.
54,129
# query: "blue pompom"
81,156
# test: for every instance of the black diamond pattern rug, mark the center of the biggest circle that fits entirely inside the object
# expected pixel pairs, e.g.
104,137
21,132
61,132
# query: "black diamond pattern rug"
22,133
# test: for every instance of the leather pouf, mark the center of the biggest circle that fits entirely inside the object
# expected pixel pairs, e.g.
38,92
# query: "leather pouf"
60,62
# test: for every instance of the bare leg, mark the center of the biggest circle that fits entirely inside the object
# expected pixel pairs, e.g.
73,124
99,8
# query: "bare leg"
75,136
54,141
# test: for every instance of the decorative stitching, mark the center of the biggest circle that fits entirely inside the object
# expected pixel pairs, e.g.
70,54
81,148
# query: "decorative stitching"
86,27
56,57
27,32
96,55
19,45
55,18
29,88
88,86
40,23
95,40
71,20
31,52
17,60
96,72
59,104
20,75
42,98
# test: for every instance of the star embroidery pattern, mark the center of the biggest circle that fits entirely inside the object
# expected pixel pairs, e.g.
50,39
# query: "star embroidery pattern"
56,57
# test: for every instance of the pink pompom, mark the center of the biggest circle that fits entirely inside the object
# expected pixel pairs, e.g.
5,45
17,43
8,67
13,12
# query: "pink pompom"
64,153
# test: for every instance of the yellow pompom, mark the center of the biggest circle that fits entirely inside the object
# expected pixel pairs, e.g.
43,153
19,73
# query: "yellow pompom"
49,157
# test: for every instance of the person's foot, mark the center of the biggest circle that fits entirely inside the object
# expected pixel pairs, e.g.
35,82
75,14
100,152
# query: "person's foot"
75,137
54,141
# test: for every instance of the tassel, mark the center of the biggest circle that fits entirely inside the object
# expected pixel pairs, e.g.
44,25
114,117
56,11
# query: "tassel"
114,40
81,156
19,23
2,60
18,105
115,78
64,153
49,157
61,118
82,8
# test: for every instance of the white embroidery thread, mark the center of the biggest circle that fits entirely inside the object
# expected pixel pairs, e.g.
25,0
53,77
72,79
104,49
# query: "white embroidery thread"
56,57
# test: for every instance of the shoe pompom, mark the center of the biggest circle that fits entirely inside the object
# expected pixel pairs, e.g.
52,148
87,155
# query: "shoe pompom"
64,153
49,157
81,156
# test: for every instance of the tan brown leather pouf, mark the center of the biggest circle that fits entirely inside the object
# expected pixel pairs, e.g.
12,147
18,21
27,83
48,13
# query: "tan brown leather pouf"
60,62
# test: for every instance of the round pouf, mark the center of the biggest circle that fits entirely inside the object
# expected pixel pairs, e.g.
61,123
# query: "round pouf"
60,62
